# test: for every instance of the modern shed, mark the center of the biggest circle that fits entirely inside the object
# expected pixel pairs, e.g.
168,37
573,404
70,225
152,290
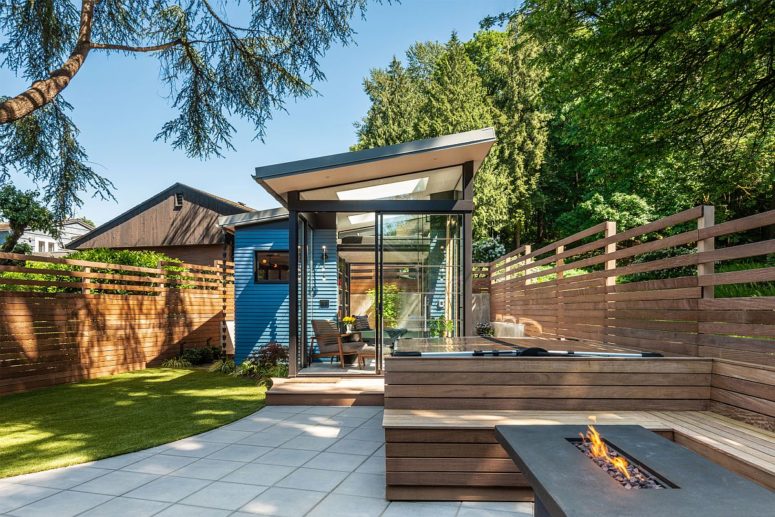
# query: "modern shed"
383,234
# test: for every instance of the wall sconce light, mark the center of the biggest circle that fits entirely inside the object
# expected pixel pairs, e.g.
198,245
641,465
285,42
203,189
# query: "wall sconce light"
324,254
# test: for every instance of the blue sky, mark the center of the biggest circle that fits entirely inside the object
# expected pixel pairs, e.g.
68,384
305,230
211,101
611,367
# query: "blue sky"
120,105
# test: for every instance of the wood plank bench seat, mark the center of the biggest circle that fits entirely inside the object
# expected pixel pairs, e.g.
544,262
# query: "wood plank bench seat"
453,454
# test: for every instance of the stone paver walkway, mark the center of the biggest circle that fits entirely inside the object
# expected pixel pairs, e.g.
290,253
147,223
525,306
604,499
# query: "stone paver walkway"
282,460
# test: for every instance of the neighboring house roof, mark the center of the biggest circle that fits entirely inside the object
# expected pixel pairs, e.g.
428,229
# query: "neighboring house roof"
5,226
78,220
255,217
379,162
157,222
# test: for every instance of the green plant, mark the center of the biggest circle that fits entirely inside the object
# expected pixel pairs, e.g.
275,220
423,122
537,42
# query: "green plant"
225,366
198,355
176,362
487,250
247,368
149,259
749,289
441,327
391,303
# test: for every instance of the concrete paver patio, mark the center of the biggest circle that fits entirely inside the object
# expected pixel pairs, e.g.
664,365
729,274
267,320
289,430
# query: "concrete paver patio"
282,460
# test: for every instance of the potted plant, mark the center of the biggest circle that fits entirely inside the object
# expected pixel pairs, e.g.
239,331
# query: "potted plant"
484,329
441,327
348,321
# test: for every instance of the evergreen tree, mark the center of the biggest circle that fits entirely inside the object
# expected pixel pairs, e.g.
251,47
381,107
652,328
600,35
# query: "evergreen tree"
214,69
394,103
455,100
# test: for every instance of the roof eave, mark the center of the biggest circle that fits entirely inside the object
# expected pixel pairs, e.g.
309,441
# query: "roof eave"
335,161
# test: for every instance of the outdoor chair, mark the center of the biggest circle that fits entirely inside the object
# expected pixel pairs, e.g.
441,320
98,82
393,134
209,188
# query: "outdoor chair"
330,342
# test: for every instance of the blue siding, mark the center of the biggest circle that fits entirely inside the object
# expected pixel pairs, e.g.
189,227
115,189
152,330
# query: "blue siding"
261,310
322,279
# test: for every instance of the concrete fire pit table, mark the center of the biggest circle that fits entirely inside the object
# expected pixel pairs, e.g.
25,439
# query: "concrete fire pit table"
568,483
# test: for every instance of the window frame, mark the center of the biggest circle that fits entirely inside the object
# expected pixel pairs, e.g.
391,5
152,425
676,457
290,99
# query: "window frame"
256,253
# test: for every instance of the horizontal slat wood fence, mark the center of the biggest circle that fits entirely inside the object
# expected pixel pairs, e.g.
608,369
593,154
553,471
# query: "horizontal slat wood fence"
666,286
63,325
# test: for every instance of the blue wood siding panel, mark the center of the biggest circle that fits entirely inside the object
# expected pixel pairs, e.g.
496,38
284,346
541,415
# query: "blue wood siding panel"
322,281
261,310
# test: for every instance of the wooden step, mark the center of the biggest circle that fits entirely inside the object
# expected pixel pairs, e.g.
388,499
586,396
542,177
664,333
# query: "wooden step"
325,391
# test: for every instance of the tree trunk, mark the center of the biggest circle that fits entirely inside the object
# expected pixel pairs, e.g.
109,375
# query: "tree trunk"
45,91
12,239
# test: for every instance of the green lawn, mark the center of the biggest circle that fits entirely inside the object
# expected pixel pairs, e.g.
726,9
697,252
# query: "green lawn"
74,423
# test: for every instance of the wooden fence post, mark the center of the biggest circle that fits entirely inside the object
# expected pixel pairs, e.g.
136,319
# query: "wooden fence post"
706,220
86,290
610,281
559,262
559,307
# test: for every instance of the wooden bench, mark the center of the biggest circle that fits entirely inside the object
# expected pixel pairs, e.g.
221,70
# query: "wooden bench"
453,454
440,415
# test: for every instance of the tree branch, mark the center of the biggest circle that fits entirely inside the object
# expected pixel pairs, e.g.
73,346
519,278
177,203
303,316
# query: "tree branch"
127,48
45,91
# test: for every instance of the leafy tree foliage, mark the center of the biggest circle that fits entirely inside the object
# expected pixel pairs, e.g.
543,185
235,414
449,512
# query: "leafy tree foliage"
626,111
672,101
627,210
487,250
23,211
214,69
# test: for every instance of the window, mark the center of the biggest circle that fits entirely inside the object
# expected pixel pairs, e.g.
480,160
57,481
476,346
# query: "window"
179,200
41,247
51,247
271,266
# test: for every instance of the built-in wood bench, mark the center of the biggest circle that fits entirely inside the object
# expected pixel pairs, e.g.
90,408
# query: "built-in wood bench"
453,454
440,415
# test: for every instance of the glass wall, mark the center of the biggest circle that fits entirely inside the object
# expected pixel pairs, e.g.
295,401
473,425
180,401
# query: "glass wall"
400,273
420,276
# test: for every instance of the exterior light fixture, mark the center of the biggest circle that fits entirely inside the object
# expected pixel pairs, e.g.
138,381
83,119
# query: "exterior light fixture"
324,254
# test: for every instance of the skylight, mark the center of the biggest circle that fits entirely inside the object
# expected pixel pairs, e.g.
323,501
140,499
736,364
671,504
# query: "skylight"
387,191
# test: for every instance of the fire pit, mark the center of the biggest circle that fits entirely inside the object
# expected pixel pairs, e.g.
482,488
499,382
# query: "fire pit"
625,470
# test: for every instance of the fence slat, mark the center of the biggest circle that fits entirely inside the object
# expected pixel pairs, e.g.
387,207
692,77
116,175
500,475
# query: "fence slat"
642,289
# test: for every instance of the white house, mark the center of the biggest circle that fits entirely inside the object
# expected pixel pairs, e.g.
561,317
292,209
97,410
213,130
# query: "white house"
43,243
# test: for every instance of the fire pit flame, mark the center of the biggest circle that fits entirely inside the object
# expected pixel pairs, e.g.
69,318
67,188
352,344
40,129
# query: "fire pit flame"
599,449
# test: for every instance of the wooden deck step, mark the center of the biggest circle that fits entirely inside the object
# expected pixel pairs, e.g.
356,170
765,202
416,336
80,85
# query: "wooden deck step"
327,391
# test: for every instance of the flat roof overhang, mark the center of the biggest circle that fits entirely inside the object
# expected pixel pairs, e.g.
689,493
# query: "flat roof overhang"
380,162
230,222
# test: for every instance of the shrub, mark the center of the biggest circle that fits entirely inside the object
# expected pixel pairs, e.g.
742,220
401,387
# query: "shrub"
136,258
487,250
176,362
270,361
272,354
198,355
248,368
226,366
